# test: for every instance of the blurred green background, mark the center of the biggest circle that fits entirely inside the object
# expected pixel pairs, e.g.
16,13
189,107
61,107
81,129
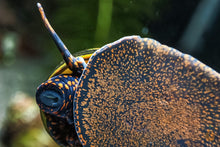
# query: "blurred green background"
28,55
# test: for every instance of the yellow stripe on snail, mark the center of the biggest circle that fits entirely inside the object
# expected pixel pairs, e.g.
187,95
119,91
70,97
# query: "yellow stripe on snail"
63,68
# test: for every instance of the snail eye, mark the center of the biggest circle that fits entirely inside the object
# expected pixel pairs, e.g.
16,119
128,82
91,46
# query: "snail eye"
55,99
55,96
50,98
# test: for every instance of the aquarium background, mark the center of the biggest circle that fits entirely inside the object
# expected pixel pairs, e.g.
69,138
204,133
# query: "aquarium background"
28,55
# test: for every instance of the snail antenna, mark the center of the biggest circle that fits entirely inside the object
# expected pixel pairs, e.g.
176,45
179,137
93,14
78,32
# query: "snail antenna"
75,64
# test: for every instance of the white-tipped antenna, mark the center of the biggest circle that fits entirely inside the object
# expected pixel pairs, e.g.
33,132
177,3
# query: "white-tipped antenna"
67,56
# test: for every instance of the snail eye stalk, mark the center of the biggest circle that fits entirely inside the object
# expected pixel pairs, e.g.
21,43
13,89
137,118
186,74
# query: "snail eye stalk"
75,64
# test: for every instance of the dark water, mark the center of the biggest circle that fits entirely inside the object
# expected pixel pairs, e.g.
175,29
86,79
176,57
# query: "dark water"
23,76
